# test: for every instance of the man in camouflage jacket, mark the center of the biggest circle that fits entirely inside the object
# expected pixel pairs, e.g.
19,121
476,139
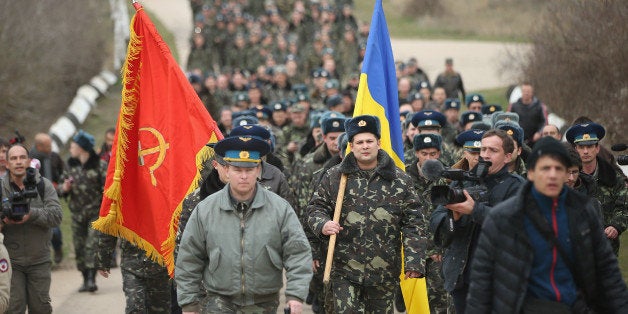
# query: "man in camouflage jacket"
377,208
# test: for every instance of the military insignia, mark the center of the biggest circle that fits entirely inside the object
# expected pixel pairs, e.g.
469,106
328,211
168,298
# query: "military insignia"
4,265
478,132
424,84
491,109
510,132
362,123
244,154
428,113
477,144
244,139
586,136
471,116
333,115
476,98
584,125
277,106
506,119
427,140
243,122
335,124
428,122
248,127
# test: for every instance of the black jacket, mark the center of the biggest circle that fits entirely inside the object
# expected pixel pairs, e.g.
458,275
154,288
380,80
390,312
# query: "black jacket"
460,243
503,258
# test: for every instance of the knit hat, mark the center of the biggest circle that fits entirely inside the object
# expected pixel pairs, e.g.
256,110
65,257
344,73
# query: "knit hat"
548,146
84,140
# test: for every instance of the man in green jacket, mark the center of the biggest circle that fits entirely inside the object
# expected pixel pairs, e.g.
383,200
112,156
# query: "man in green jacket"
239,240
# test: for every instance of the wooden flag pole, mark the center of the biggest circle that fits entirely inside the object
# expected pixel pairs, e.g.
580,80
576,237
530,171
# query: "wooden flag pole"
332,238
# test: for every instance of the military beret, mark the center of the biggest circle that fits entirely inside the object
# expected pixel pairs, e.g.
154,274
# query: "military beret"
332,84
431,140
470,116
302,97
262,112
333,101
241,96
279,106
245,120
242,151
474,98
300,88
490,109
333,125
428,119
84,140
585,133
416,96
362,124
452,103
424,84
470,140
513,129
251,130
508,116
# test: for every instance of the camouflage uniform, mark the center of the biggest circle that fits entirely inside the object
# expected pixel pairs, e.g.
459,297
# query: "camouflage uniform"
520,167
438,297
613,194
145,283
450,154
296,134
305,183
85,198
378,207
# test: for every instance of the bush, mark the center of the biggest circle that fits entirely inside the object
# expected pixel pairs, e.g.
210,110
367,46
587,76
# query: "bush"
579,63
49,49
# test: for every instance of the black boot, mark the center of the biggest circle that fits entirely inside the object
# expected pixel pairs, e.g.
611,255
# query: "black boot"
91,280
83,288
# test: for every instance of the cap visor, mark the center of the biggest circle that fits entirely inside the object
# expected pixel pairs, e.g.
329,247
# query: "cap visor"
243,164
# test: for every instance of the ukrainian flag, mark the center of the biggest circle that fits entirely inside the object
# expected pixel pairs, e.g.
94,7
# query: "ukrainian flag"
377,92
377,95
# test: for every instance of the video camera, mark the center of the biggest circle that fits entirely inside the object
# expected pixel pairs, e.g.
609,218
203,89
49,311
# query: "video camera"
444,194
16,205
622,160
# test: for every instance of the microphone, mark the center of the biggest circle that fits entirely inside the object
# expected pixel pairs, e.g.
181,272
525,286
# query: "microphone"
432,169
619,147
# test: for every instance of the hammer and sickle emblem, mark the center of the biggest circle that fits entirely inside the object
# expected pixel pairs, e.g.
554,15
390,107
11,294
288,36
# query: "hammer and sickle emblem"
159,149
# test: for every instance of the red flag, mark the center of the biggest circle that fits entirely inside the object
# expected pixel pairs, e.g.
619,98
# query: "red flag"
159,146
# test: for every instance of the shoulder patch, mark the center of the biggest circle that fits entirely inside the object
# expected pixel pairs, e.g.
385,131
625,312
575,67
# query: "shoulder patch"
4,265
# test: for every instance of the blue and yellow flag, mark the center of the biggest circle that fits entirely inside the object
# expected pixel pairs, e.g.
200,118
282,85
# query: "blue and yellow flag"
377,95
377,92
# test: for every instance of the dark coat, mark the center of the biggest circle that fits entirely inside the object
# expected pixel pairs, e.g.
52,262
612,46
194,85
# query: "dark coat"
503,258
460,243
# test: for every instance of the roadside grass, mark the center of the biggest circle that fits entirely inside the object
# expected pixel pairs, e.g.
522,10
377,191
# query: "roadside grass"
464,20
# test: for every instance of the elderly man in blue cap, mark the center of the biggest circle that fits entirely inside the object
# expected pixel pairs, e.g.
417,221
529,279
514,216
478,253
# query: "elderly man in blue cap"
611,190
239,241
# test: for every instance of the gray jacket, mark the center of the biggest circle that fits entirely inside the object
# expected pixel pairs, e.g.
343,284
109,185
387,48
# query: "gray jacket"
242,258
29,243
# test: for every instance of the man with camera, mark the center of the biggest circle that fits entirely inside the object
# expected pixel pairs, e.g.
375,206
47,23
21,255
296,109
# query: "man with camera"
456,226
544,250
30,209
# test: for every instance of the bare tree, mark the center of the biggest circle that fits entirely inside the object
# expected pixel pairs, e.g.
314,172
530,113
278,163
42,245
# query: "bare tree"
49,49
579,62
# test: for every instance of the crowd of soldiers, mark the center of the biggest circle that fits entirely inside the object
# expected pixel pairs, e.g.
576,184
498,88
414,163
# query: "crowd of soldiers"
286,73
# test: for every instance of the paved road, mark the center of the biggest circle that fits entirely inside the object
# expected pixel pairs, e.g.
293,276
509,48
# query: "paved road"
478,62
